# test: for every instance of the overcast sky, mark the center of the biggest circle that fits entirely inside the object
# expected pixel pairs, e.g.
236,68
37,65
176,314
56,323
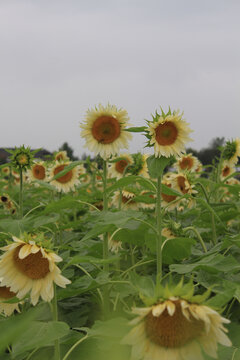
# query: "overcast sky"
60,57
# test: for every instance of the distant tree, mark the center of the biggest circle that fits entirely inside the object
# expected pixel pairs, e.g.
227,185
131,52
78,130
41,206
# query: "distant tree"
69,150
207,155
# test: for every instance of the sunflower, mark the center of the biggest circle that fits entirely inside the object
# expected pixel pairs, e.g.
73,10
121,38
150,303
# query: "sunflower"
37,171
118,168
181,183
178,325
29,267
169,201
227,169
104,130
127,200
186,162
61,156
176,329
6,294
231,151
168,134
64,183
6,170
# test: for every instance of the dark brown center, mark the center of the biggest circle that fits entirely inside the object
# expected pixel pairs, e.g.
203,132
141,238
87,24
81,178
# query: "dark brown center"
168,198
5,292
34,266
106,129
38,172
181,183
226,171
121,165
166,133
186,163
172,331
65,178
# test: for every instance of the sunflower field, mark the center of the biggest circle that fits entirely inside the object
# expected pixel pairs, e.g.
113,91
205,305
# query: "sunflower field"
128,257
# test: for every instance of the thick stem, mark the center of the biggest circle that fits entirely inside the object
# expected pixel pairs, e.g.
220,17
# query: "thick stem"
21,195
105,239
55,318
159,235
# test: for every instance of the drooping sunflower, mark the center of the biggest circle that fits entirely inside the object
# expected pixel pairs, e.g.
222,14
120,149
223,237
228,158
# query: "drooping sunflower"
168,134
127,200
231,151
186,162
27,267
116,169
175,328
104,130
139,166
7,308
66,182
38,171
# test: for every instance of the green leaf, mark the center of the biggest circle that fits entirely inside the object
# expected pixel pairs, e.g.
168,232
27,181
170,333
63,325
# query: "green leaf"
213,264
177,249
136,129
44,335
157,165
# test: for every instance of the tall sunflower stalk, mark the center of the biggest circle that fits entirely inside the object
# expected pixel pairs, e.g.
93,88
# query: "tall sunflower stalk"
168,134
104,132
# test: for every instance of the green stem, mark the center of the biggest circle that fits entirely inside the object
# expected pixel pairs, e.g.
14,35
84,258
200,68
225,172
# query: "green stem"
74,346
159,235
198,236
55,318
105,238
21,195
214,234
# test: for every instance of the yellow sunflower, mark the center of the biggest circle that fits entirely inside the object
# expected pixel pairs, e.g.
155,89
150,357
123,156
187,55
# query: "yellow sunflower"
176,329
6,170
167,233
37,171
6,308
186,162
66,182
27,267
116,169
168,134
104,130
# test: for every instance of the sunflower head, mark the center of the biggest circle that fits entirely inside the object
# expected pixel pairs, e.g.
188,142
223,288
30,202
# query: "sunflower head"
104,130
22,158
231,151
168,133
178,325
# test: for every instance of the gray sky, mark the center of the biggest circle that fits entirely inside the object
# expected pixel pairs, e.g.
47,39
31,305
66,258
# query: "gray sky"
60,57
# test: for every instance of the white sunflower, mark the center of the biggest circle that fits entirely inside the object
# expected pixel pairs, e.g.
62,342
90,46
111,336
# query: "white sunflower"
117,169
231,151
28,267
186,162
66,182
127,200
104,130
61,156
176,329
168,134
227,169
